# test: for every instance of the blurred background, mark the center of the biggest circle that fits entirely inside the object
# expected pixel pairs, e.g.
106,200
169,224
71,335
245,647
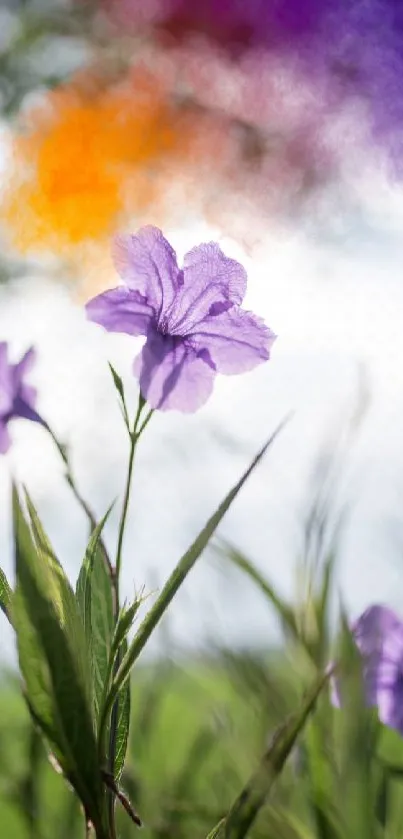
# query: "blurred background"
277,130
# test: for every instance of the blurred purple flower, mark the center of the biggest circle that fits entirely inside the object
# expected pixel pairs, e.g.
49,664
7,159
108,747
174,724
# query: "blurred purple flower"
378,634
17,399
351,50
191,317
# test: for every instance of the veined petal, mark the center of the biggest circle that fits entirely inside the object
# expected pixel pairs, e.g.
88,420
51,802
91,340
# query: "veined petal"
147,264
236,340
212,284
173,376
121,310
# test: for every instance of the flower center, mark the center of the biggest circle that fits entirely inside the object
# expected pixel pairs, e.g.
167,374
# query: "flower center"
167,326
163,325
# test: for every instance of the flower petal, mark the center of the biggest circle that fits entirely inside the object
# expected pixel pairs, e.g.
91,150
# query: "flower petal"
27,394
212,284
236,340
390,679
6,385
24,408
372,627
390,704
3,355
121,310
23,394
147,263
5,440
173,376
379,637
24,366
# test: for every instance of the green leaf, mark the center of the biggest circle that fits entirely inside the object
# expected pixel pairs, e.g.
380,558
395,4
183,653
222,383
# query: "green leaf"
323,603
122,726
321,777
282,608
124,624
117,382
382,799
357,732
254,795
95,603
5,595
180,573
51,654
62,596
121,393
218,831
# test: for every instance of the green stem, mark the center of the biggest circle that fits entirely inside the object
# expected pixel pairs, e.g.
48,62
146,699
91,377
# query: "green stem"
134,437
125,506
175,581
145,423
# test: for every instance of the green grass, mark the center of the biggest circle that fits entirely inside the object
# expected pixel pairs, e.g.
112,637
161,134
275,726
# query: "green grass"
200,729
195,737
198,732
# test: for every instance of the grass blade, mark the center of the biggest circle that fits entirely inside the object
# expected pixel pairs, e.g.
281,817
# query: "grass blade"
282,608
182,569
254,795
5,595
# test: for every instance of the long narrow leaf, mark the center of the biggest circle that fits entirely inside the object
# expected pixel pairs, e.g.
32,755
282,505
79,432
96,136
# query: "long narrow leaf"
282,608
5,595
357,738
95,602
182,569
122,725
61,595
124,624
42,611
217,831
254,795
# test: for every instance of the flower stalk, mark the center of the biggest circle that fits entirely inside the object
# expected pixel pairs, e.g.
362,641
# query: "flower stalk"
134,437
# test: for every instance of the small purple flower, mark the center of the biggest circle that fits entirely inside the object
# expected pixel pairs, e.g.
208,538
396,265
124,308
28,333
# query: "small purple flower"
191,318
17,399
378,634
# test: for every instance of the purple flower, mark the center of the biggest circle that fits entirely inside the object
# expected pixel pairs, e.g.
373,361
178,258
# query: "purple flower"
191,318
17,399
350,50
378,634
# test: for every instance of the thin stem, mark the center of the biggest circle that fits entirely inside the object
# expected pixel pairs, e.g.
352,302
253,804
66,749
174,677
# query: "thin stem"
145,423
134,436
176,579
125,507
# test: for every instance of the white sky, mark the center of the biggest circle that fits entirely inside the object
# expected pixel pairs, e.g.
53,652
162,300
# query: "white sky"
335,299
